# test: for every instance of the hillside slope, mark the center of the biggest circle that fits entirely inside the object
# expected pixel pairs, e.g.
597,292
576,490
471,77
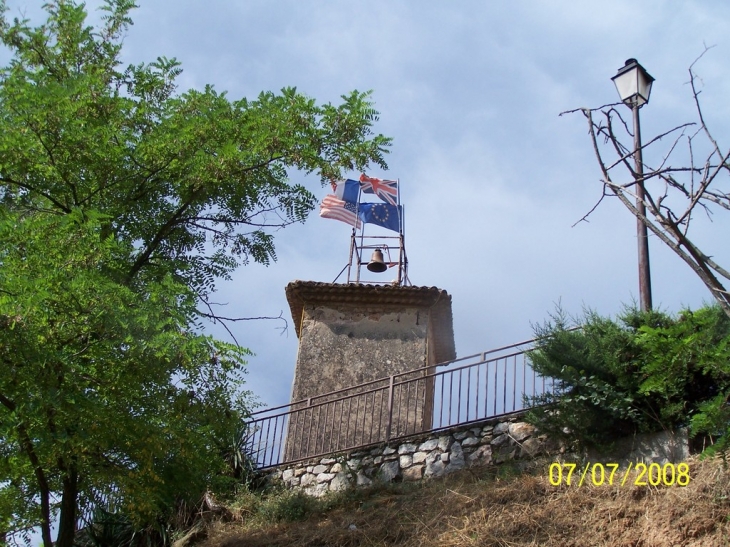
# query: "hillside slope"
479,508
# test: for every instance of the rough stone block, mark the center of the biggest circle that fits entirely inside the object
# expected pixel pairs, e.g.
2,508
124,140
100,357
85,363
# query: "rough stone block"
456,459
434,469
454,467
504,455
287,475
325,477
444,443
388,471
420,457
340,482
481,456
501,427
405,461
320,469
470,441
530,447
307,479
521,430
387,451
459,435
428,445
407,448
414,473
500,440
363,480
327,461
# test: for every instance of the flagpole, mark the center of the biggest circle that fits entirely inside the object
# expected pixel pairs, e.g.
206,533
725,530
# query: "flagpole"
352,250
401,226
362,232
400,217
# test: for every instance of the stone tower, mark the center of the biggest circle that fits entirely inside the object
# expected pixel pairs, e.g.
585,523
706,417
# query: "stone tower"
355,334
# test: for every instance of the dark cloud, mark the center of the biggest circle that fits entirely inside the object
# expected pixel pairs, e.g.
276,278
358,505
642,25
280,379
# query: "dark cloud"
471,92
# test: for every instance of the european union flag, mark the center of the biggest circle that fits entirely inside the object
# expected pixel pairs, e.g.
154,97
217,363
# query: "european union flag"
382,214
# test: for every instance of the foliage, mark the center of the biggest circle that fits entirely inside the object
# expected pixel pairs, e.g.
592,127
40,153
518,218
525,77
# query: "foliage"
288,506
645,371
101,382
121,203
172,172
267,505
106,529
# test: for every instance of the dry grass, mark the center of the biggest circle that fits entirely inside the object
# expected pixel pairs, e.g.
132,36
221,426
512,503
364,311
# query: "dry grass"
469,508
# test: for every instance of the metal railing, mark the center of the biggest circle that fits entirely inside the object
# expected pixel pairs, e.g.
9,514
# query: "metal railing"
438,397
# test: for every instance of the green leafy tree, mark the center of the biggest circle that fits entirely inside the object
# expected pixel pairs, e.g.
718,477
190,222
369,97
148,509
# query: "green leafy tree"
103,390
122,201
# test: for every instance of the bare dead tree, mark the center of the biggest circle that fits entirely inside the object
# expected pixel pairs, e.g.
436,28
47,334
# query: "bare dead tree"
673,194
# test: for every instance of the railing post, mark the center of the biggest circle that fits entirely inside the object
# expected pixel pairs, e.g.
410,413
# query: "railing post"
390,409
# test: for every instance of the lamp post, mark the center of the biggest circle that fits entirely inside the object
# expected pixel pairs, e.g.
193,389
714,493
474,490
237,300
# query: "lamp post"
633,84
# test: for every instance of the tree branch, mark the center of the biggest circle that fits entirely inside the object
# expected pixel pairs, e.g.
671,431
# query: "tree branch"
670,228
220,319
33,189
160,235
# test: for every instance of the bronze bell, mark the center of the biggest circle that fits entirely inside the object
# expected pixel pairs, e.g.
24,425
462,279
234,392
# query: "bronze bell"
377,264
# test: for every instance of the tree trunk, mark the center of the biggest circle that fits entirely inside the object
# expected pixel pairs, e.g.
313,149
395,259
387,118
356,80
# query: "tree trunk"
43,488
67,523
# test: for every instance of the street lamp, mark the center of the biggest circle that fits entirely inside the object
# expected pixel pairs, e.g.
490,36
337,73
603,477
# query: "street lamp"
633,84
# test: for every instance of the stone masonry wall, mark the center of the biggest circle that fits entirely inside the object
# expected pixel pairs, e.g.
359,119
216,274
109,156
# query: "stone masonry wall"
489,443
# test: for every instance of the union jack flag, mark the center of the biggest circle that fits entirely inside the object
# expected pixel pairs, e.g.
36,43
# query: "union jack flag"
387,190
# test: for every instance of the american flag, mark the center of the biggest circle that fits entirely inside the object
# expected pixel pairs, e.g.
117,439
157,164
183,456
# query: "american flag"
387,190
337,209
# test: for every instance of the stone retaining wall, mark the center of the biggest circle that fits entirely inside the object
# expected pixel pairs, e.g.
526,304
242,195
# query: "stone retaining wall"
431,455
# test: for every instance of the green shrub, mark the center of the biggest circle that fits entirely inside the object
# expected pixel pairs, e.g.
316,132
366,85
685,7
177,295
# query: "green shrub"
644,371
288,506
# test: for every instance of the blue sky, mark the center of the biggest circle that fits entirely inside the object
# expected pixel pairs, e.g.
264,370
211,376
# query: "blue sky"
492,178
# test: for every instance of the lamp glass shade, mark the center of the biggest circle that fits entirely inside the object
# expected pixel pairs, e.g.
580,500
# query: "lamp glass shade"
633,83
